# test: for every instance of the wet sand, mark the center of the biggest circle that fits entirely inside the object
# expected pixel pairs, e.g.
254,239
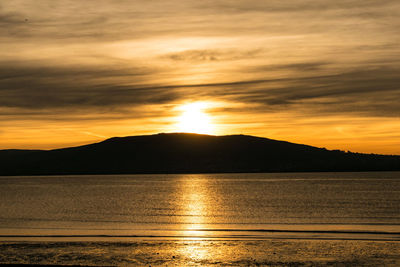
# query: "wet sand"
204,253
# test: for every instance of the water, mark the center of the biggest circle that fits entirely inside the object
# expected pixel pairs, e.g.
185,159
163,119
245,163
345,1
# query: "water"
207,206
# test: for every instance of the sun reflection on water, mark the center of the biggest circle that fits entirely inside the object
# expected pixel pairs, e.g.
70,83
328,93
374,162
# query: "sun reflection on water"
195,199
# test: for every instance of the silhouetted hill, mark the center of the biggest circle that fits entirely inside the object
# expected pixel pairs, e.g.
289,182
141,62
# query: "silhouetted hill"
188,153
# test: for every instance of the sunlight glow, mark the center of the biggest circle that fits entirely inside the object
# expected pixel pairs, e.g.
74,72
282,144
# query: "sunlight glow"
194,119
195,201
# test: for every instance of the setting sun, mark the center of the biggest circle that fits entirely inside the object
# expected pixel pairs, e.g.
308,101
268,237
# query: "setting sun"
194,119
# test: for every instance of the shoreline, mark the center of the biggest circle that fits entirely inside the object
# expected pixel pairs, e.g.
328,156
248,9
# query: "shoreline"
275,252
387,232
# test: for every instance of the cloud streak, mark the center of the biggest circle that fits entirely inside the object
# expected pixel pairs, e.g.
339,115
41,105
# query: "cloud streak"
369,91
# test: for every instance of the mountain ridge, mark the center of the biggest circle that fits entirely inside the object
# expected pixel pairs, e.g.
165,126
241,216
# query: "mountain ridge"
189,153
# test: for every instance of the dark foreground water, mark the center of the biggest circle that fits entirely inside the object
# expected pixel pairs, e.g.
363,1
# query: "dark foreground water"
359,206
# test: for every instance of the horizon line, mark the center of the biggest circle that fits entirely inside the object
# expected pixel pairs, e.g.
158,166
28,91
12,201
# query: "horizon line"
189,133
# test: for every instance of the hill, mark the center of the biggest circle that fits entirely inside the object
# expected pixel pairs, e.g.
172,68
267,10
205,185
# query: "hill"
189,153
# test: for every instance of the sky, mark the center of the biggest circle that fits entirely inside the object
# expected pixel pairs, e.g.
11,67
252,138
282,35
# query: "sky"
317,72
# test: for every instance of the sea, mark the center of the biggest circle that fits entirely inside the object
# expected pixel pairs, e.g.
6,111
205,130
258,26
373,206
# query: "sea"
354,205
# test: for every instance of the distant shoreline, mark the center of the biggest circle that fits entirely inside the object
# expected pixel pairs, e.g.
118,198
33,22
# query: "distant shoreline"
191,173
180,153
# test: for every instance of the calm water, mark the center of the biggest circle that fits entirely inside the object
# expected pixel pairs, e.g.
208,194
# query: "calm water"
290,205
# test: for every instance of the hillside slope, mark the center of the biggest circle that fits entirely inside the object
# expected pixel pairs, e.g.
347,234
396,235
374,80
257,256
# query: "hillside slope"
188,153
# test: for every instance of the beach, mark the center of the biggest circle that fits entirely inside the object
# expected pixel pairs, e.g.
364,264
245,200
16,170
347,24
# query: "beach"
204,253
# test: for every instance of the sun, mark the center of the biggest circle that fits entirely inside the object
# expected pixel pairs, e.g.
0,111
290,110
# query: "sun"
194,119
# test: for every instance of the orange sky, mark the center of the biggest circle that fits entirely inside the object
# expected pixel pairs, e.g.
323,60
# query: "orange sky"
323,73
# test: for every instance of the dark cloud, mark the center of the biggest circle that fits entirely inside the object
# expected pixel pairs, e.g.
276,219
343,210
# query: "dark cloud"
371,91
43,87
7,19
299,67
213,55
365,92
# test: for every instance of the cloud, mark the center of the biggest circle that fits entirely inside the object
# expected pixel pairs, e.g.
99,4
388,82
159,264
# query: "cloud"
299,67
368,92
38,87
213,55
293,6
123,20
